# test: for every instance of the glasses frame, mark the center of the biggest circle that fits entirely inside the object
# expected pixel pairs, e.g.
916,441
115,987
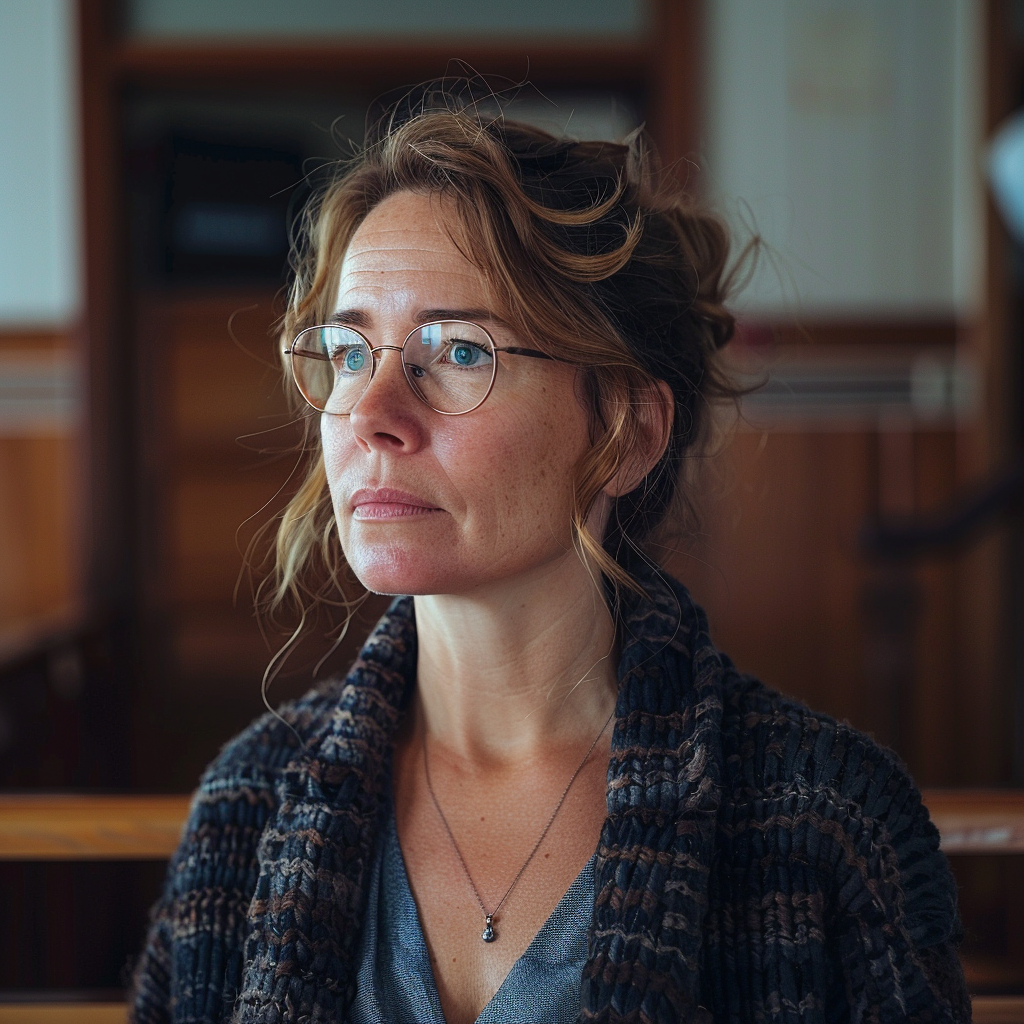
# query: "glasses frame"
292,352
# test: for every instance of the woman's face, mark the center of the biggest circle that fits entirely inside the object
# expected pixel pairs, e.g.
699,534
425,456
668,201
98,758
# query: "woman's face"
433,504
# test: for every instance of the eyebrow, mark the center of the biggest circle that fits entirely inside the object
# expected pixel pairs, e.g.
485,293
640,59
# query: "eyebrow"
349,318
358,318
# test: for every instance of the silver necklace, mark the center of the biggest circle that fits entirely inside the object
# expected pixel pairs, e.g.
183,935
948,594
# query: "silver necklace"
489,934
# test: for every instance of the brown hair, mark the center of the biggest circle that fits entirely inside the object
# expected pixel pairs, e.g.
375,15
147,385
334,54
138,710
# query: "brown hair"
585,255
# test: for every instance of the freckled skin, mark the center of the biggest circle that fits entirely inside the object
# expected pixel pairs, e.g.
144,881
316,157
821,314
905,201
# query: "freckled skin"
500,475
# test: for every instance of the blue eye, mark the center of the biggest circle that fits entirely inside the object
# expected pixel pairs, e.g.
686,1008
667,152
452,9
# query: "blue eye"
354,360
463,354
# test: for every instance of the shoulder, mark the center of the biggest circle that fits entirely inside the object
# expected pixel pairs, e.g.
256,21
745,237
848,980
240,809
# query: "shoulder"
272,741
830,796
771,742
202,914
238,792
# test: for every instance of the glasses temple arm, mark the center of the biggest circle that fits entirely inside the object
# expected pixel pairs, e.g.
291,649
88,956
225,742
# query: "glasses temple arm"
516,351
307,355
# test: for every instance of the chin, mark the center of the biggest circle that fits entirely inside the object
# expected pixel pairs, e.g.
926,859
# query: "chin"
396,570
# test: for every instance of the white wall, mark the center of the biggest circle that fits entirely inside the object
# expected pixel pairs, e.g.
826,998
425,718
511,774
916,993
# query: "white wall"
847,133
39,203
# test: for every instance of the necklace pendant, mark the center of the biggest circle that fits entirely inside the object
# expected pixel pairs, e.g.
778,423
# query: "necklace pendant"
488,934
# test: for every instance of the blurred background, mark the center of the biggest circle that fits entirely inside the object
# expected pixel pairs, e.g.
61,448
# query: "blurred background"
862,544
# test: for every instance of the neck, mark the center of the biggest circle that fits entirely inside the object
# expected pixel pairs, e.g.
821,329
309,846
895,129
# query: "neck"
510,670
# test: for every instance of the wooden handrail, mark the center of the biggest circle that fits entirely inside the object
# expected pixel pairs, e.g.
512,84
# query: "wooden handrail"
978,820
84,827
71,827
63,1013
997,1009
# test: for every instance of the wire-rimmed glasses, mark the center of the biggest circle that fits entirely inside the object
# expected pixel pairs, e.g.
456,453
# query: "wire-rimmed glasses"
450,365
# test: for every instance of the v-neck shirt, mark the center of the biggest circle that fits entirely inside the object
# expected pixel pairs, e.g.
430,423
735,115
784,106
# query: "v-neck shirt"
395,981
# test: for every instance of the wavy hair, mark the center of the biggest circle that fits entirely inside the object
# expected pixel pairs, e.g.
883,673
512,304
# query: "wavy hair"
586,253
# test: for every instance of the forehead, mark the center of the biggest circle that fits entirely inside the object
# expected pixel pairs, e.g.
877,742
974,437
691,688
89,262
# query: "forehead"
403,255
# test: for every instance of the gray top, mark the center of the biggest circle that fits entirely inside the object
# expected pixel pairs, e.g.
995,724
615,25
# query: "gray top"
396,982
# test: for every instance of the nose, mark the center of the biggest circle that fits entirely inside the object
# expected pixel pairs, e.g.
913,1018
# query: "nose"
387,414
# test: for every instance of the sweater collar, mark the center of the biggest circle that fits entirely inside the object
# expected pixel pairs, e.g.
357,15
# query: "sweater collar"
656,844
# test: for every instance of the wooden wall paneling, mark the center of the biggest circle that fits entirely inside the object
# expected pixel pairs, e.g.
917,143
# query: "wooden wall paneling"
203,655
37,513
935,718
225,377
206,517
40,484
777,568
793,598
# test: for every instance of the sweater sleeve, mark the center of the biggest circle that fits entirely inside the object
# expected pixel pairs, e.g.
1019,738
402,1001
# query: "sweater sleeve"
896,923
149,998
829,870
192,963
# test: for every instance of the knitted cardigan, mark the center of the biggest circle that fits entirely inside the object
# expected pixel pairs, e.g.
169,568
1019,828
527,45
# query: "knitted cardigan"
758,862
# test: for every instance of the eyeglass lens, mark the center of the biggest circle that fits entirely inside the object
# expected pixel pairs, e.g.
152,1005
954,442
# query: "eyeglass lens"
449,365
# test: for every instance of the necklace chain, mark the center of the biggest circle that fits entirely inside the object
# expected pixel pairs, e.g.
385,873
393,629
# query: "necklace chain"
489,935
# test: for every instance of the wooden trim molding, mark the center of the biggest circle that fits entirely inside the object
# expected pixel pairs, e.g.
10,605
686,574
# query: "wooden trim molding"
372,65
40,387
14,339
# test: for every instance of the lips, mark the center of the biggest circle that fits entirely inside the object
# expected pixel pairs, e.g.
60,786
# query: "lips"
388,503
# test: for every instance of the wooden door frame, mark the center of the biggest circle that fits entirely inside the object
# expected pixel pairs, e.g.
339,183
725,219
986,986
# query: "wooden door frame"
1002,360
665,67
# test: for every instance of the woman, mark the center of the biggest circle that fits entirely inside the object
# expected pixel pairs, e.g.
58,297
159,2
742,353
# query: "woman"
540,794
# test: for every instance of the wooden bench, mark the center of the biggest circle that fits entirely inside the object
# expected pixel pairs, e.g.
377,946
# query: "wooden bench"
90,827
148,828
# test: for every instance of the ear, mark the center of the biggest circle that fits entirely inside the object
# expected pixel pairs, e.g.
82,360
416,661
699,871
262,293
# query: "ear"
656,412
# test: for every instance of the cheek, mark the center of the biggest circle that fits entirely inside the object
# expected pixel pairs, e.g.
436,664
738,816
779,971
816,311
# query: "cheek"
336,443
526,468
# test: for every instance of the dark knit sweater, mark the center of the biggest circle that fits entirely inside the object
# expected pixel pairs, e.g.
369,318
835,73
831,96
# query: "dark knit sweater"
759,862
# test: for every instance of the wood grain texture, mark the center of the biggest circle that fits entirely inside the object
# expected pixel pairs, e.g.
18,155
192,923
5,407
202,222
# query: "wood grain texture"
38,534
998,1009
40,483
978,820
35,340
90,827
63,1013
